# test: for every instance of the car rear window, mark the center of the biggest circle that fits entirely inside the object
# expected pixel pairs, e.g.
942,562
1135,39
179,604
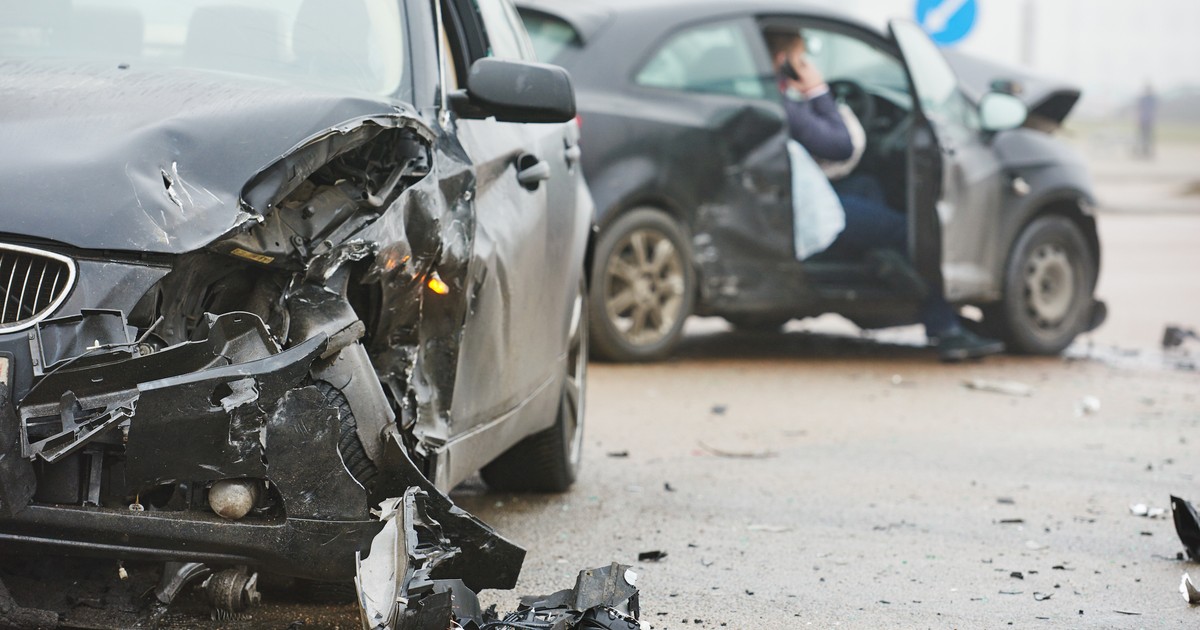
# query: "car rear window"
712,58
551,35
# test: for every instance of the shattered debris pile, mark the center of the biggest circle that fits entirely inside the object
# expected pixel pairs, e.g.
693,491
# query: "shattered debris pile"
398,590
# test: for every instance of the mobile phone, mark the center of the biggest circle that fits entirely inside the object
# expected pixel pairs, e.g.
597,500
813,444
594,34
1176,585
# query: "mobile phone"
789,71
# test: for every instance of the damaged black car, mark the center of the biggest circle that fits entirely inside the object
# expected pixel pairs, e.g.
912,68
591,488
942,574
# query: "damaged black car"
265,265
699,213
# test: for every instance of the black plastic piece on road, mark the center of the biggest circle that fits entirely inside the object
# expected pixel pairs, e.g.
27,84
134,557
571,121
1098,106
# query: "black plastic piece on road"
1187,525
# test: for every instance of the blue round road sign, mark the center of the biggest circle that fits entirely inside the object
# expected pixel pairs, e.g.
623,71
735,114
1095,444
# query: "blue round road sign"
947,21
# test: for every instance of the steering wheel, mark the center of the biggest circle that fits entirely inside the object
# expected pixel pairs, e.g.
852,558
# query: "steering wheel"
857,98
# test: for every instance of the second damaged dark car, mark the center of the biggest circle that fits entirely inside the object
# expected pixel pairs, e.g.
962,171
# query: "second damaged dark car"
264,266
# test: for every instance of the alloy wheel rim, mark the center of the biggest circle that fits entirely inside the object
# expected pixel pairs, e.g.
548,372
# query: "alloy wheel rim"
576,385
1049,285
644,287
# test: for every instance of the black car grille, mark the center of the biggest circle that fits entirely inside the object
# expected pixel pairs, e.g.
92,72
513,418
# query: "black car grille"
32,284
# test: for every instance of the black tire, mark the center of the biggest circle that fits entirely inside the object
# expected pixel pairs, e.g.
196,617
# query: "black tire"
757,323
549,461
354,456
1048,287
662,299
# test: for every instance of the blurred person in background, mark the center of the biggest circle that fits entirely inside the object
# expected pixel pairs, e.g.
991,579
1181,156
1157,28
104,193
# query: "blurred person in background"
1147,112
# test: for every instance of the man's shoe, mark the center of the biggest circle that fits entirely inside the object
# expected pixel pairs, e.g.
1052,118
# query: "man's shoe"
962,344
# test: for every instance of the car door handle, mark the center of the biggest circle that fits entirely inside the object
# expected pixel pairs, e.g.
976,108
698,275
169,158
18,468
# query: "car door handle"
531,171
573,153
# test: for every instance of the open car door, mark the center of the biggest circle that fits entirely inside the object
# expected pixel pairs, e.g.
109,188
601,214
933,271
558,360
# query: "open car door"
934,85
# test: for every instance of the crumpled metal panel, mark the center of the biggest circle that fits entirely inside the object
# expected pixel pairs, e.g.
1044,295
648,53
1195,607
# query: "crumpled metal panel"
138,159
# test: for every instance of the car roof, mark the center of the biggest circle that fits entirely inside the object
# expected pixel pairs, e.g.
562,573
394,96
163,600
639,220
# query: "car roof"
587,17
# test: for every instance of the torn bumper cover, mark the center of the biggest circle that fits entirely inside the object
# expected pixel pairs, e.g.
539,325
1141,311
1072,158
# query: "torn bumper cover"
398,591
127,446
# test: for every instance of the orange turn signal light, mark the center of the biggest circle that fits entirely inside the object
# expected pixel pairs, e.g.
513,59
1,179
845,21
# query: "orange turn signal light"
437,285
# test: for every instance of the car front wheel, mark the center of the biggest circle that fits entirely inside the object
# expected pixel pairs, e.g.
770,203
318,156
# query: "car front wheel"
1048,288
549,461
643,287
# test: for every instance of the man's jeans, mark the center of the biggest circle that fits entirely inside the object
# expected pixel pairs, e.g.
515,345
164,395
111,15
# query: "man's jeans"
871,225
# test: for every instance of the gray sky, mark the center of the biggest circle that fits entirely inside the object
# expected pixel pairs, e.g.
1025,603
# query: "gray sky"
1111,48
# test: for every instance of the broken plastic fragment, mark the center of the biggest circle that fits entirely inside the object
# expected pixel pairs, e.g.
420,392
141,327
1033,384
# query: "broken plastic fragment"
1008,388
651,556
1190,594
1088,406
1141,509
1174,336
738,454
771,529
1187,525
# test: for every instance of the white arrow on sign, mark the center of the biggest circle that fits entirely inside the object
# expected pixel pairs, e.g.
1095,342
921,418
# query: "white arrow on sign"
939,17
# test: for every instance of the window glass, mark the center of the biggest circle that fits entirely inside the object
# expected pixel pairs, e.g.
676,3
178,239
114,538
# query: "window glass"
937,86
551,36
506,35
714,58
934,79
844,57
355,44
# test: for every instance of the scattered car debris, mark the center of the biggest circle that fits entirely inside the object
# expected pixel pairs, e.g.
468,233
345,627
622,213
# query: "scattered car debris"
771,529
1008,388
1189,591
1041,597
1145,511
668,487
1129,613
719,410
767,454
1006,501
1175,336
651,556
619,454
399,585
1017,574
1087,406
1187,525
1012,521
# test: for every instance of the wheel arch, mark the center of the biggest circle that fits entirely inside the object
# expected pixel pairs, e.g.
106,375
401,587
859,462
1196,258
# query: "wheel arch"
645,200
1070,203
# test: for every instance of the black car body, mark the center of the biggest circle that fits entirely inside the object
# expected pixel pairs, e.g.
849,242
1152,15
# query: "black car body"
684,140
286,260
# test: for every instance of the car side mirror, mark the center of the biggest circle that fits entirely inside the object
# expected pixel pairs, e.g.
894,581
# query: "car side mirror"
516,91
1001,112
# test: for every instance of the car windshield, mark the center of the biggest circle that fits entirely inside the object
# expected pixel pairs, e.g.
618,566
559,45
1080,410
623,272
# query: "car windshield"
551,36
843,57
353,45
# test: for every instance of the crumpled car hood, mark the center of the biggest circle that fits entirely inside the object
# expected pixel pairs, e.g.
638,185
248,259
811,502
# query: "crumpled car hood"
149,160
1050,99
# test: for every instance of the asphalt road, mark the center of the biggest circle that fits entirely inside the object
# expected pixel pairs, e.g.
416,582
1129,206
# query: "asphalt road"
876,490
821,478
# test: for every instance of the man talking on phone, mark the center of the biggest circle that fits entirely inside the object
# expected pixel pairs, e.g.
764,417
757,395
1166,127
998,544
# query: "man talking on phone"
867,224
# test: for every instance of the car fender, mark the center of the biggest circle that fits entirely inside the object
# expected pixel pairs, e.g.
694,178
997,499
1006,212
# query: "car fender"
626,184
1057,188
